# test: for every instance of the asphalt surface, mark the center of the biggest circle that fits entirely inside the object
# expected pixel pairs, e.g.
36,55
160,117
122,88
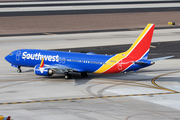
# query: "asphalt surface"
85,31
86,21
97,11
77,4
61,24
158,49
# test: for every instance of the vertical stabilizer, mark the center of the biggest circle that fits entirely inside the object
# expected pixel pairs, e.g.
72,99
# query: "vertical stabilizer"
140,48
138,51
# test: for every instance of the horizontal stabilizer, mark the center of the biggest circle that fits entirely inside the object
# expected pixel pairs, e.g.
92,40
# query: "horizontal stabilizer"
144,62
161,58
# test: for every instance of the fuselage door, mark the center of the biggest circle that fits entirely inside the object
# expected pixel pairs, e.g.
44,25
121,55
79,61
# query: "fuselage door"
18,55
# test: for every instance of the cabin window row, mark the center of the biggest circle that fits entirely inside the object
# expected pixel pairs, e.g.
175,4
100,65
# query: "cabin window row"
90,62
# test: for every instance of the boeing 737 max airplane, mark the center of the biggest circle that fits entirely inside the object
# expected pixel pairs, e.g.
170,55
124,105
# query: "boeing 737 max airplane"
47,62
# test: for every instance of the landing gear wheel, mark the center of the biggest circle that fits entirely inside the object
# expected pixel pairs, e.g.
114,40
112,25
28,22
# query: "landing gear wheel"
84,74
19,70
67,76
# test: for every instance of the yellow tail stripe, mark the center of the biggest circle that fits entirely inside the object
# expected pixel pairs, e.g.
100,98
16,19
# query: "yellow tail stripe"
139,38
110,63
118,57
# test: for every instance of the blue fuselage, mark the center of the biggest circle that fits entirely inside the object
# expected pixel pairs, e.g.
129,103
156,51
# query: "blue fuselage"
31,57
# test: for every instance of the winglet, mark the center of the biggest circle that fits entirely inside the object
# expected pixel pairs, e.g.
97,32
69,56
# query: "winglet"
42,63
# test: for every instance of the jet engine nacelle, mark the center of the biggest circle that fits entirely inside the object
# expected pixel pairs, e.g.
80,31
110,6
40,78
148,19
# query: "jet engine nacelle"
43,71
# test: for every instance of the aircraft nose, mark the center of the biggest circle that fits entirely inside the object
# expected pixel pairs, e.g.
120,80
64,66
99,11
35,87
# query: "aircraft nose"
7,58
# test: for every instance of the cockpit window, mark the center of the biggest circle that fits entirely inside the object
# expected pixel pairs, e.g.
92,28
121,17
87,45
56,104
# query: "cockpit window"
11,54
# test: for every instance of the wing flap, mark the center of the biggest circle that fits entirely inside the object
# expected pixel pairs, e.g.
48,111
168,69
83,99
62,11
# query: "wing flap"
65,68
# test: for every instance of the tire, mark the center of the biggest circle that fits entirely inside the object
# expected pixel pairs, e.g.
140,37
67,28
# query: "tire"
67,76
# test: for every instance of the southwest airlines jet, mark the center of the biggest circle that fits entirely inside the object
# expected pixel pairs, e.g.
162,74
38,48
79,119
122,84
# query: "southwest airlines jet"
47,62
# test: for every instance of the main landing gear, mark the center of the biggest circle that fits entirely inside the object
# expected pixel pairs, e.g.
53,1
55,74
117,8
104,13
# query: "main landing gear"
69,76
84,74
19,69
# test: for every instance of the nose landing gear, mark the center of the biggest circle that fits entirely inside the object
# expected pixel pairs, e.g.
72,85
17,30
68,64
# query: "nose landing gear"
19,69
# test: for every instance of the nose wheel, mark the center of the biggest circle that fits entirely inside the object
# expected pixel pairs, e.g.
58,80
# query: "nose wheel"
19,69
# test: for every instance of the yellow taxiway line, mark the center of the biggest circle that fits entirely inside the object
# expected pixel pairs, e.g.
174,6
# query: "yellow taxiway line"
37,101
150,94
160,87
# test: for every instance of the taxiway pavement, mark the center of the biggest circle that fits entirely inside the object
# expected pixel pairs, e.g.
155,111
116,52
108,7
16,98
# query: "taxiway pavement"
27,87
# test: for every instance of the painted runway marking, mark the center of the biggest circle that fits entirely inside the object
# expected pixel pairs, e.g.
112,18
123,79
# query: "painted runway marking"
122,82
87,98
163,88
49,34
96,97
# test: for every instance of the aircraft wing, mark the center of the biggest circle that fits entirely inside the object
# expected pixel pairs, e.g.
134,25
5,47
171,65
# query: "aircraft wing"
65,68
161,58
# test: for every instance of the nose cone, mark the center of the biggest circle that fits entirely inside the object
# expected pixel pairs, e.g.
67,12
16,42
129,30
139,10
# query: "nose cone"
7,58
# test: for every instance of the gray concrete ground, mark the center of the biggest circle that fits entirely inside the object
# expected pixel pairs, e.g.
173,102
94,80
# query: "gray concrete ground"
26,86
